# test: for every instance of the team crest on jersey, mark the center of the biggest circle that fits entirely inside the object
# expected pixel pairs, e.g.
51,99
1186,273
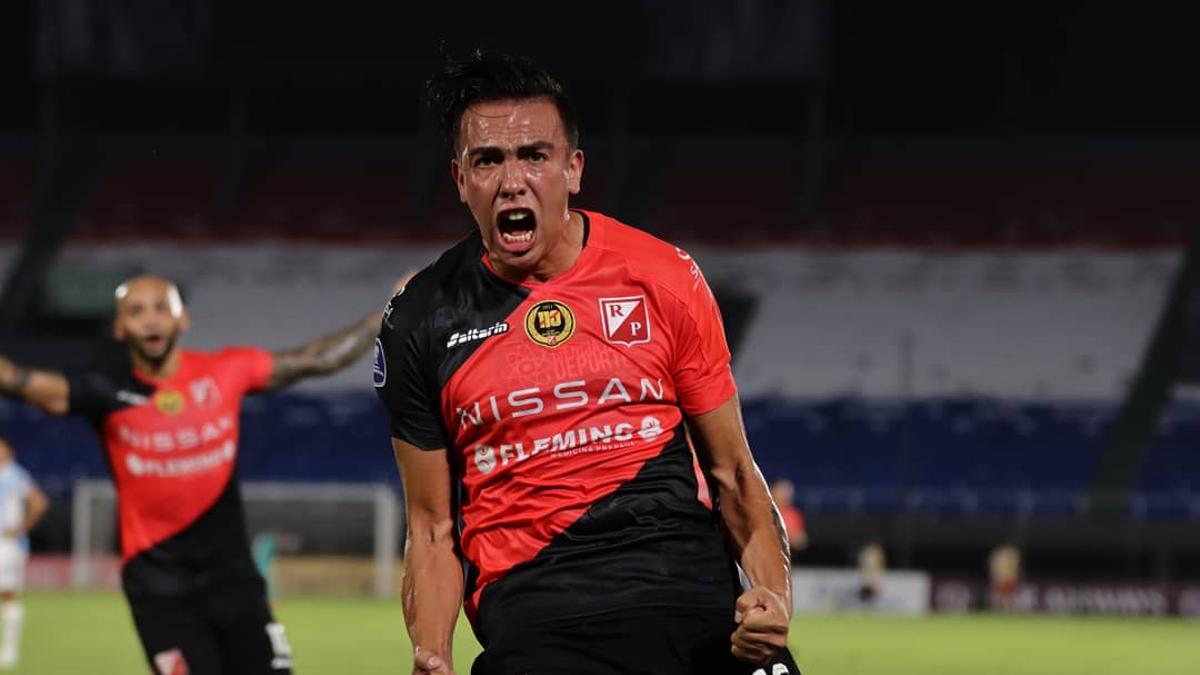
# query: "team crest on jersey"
550,323
169,401
205,393
626,320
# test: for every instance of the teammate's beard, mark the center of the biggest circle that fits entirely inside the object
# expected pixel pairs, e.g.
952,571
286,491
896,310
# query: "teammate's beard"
154,361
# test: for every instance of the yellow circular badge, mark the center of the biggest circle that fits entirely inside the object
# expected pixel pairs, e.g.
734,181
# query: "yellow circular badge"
168,401
550,323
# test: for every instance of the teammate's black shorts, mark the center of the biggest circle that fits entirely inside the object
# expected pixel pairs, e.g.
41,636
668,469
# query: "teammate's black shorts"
665,642
224,631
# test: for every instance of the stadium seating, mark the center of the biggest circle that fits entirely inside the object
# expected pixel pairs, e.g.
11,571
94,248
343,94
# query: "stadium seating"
945,457
722,197
1110,203
151,198
1170,484
321,200
852,454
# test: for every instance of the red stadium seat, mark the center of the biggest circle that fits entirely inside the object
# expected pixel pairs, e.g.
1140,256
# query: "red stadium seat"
151,198
1012,203
730,202
322,199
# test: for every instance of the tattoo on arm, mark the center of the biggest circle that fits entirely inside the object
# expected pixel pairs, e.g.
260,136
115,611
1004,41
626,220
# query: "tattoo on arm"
325,355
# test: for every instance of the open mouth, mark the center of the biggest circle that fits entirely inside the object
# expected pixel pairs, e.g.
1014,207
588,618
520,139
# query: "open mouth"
154,341
517,228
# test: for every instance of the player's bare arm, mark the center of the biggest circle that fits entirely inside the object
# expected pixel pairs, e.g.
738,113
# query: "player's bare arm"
328,353
432,588
755,529
43,389
324,355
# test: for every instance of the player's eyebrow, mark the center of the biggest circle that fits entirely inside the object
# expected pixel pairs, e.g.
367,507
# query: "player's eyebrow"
526,150
521,150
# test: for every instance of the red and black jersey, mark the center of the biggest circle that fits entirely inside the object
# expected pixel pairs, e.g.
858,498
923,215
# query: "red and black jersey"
561,405
171,446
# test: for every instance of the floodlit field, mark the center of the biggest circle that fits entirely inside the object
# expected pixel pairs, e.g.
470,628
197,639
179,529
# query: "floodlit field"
92,633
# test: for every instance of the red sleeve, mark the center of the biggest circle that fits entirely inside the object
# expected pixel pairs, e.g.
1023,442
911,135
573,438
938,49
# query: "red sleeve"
252,365
703,378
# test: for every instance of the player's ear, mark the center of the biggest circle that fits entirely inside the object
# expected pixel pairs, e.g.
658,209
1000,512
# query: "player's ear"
575,171
118,331
185,321
459,177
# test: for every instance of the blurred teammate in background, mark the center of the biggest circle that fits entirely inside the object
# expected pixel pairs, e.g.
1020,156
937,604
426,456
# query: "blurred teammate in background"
168,419
540,376
783,492
22,504
872,564
1004,573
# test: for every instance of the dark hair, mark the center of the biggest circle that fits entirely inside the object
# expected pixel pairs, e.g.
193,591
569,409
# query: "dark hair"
494,76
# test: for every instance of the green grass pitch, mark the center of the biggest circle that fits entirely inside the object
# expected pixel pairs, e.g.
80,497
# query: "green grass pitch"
92,633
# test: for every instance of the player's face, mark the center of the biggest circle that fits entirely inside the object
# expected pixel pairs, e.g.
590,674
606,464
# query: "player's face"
515,171
149,318
5,453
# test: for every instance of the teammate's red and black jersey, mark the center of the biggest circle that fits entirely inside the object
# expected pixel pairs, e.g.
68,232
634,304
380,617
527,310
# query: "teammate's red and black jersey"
562,405
171,446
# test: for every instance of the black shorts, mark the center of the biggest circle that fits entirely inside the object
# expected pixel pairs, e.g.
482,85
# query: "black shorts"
667,642
224,631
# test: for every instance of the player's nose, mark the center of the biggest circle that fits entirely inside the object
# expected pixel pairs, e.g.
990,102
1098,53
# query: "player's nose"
512,179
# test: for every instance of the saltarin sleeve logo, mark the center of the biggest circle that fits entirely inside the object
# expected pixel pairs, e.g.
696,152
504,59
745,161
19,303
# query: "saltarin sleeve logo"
550,323
626,320
379,369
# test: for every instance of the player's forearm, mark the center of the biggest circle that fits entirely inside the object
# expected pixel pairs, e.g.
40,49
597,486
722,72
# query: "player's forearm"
755,527
327,354
432,589
44,389
13,379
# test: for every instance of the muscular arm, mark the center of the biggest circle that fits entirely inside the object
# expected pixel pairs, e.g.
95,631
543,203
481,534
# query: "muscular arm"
325,355
754,525
329,353
44,389
432,589
754,528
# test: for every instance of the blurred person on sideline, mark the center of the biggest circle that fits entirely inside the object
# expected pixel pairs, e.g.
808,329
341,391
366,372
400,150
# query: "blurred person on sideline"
543,379
265,547
872,564
783,492
1004,574
22,504
168,420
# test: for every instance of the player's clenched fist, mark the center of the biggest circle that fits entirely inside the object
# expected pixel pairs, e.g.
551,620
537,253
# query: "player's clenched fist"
762,618
426,662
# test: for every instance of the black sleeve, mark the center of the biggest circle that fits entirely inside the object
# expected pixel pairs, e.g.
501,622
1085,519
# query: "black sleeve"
405,372
92,395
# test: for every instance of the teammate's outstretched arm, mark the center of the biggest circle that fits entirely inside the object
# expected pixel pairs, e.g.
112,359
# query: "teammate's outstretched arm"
755,530
328,353
432,589
43,389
